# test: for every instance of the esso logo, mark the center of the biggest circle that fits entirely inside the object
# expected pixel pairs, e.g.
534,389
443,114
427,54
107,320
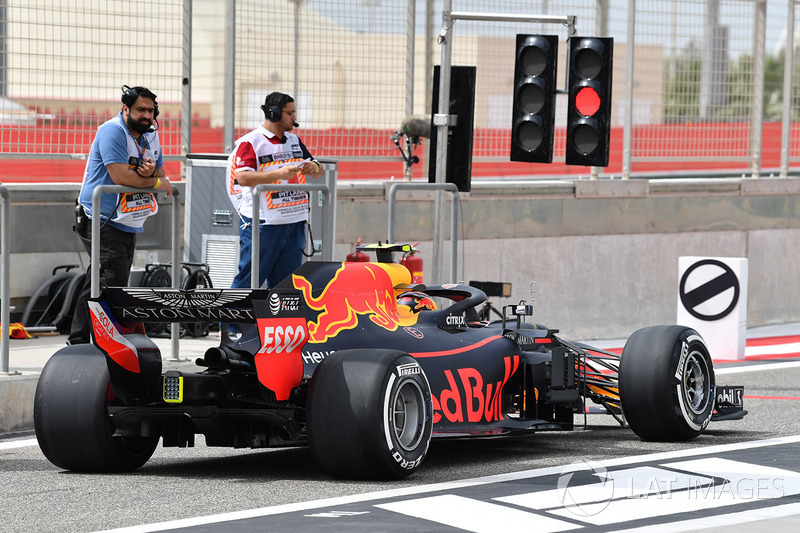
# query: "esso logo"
280,339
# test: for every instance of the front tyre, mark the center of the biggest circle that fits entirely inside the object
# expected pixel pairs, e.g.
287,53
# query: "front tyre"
70,419
666,383
369,414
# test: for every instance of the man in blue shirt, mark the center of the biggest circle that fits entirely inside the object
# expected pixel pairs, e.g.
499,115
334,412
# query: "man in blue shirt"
126,151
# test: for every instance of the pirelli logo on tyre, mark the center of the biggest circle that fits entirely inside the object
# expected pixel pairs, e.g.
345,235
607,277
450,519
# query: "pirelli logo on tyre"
409,369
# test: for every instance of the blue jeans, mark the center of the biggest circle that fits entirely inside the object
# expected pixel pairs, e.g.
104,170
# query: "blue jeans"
281,248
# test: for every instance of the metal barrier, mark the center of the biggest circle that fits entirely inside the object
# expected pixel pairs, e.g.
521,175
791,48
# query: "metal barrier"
95,261
5,280
328,190
449,187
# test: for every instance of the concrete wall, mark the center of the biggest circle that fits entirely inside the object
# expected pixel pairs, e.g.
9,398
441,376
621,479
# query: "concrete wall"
603,254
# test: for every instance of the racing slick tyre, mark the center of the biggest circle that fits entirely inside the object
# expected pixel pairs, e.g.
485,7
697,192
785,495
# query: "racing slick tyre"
369,414
69,416
666,383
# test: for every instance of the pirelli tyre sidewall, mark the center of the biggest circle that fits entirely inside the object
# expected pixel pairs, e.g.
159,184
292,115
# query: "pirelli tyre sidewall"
369,414
666,383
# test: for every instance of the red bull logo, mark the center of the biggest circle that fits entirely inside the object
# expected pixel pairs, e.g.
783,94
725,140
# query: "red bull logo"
474,400
356,289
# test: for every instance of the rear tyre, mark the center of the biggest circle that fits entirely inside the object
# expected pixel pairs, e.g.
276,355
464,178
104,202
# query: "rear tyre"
369,414
70,419
666,383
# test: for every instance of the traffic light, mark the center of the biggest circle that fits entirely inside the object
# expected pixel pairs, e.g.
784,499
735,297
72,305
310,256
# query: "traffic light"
459,136
589,107
534,98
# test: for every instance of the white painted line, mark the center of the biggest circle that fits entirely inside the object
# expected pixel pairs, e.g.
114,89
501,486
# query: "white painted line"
719,521
755,368
447,486
22,443
773,349
475,515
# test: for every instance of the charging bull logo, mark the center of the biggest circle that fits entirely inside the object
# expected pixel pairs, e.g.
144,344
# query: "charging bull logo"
356,289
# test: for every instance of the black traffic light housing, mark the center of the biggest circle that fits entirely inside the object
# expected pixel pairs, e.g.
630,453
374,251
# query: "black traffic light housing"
533,116
589,107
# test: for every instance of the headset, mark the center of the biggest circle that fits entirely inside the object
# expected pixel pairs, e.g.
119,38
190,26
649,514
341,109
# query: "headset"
274,111
130,94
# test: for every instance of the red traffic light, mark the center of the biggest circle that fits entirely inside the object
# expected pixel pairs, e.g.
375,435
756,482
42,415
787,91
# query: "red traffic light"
589,104
587,101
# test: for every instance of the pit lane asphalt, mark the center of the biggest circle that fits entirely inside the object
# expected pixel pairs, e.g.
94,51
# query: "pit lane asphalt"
184,483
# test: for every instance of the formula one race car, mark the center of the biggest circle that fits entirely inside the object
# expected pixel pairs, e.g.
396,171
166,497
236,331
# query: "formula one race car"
360,365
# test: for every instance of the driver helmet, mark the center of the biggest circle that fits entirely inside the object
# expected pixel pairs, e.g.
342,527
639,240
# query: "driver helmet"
415,302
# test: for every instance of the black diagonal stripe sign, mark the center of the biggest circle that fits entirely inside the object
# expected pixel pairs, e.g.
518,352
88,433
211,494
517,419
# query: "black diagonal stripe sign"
724,281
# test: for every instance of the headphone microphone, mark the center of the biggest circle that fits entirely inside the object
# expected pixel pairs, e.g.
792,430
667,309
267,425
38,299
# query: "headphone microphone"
296,125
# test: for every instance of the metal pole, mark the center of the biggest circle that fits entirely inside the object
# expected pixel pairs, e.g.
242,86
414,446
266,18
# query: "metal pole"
410,38
255,238
229,113
759,70
788,75
296,83
5,280
627,130
441,120
186,86
176,271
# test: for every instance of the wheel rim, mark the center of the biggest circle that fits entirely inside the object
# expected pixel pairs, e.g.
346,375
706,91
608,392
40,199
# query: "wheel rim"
696,382
407,415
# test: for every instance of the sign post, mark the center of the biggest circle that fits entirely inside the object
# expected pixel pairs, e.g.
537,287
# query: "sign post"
712,299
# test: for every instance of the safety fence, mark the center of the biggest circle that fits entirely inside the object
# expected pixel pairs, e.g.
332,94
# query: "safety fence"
698,84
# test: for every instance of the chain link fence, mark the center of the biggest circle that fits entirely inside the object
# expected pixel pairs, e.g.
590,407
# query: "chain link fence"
707,89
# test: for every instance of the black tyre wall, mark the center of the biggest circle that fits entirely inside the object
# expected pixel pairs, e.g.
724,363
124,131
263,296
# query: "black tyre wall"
652,395
346,418
70,418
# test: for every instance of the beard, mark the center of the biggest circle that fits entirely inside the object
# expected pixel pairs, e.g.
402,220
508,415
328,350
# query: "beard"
139,126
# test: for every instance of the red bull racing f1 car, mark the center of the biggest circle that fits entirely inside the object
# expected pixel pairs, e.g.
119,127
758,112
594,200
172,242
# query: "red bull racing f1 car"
360,365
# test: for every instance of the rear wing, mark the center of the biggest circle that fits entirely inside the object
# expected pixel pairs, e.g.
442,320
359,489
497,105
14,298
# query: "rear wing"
155,304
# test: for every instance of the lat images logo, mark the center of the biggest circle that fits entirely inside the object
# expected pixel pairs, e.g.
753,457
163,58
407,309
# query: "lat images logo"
572,497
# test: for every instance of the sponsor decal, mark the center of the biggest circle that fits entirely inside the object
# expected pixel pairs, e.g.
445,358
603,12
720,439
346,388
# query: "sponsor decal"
405,463
356,289
414,332
682,360
108,338
316,357
409,369
279,361
730,396
456,320
160,314
176,298
274,304
474,400
449,286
